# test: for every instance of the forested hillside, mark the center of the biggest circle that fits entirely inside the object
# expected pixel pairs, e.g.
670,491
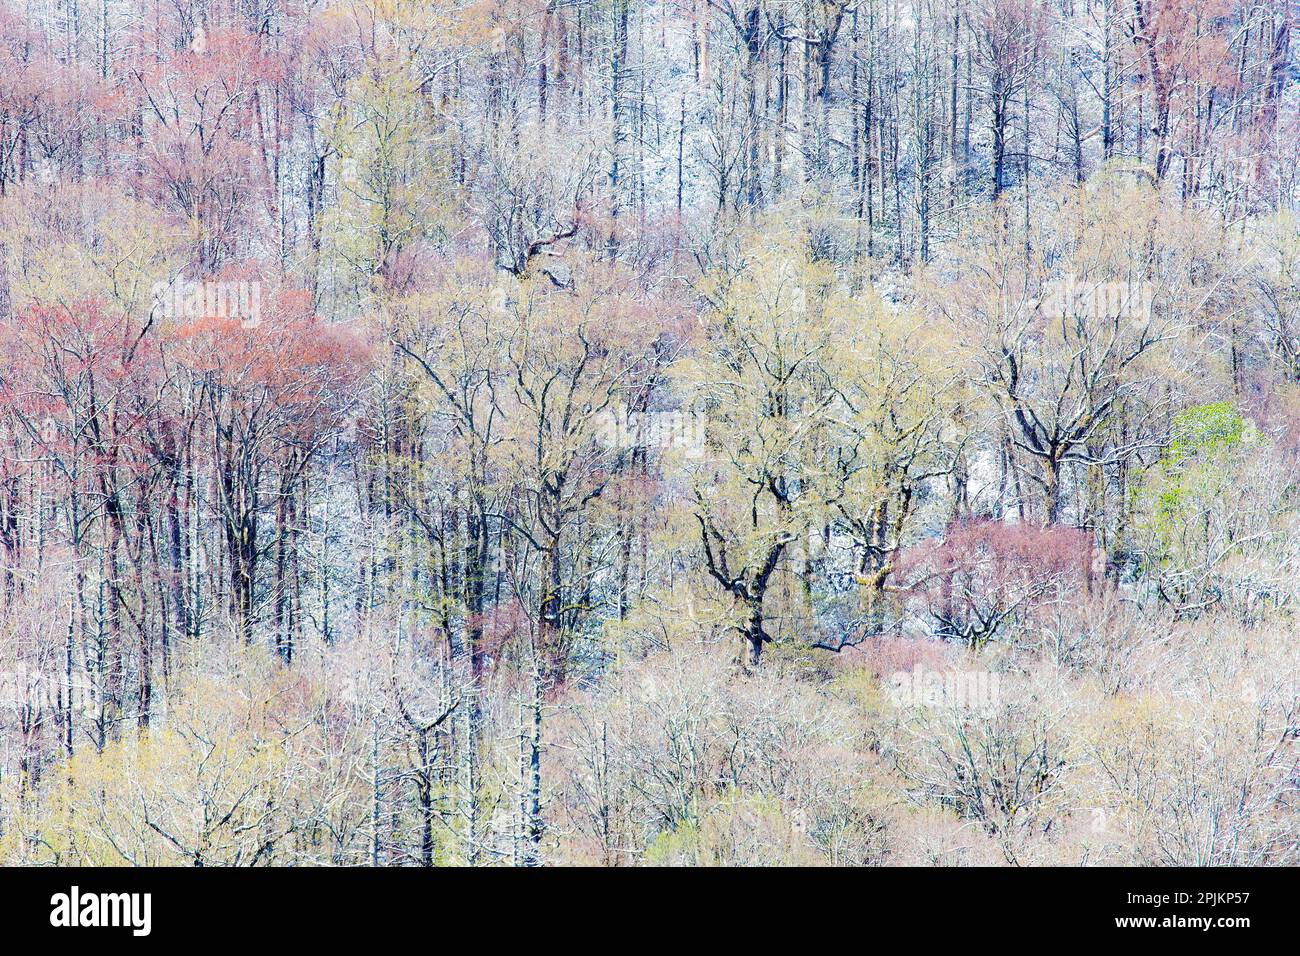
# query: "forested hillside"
623,432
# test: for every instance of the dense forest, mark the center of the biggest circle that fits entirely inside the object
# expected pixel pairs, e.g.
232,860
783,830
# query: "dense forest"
617,432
